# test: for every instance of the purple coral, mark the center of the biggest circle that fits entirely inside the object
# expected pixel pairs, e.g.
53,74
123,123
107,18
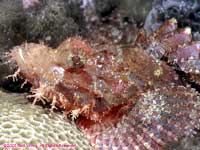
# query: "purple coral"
29,3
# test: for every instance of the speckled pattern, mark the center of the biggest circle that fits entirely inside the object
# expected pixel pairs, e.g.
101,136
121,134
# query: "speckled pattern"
159,117
164,109
23,123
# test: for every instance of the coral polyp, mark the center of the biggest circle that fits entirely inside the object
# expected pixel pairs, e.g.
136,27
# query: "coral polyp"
121,97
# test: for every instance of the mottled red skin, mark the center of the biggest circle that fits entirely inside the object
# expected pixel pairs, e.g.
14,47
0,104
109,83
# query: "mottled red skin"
151,124
104,90
78,77
96,83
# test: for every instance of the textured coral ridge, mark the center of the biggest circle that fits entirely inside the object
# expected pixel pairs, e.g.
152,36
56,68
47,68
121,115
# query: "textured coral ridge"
23,123
123,98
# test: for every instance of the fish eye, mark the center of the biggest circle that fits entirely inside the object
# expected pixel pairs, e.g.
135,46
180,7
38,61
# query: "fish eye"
76,59
77,63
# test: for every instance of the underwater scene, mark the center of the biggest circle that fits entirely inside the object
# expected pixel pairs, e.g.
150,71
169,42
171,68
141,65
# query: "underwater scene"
99,74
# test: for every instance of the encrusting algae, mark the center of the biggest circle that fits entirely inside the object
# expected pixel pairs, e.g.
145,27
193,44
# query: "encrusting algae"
121,98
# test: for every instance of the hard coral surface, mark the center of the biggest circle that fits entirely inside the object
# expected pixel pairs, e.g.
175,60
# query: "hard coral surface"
11,17
135,9
23,123
11,33
53,21
185,11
